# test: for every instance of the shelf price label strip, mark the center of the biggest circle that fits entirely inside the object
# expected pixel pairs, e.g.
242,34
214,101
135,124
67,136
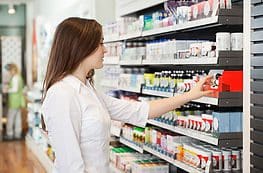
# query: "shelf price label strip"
188,132
131,145
174,162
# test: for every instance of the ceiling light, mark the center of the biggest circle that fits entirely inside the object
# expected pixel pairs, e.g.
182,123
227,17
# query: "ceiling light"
11,9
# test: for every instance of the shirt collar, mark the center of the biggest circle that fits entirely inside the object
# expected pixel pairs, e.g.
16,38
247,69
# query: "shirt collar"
75,82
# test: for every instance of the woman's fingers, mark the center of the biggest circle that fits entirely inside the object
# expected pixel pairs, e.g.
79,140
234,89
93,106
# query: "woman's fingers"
208,92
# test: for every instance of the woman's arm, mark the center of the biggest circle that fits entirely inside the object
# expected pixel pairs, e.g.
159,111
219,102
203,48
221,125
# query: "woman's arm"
161,106
138,112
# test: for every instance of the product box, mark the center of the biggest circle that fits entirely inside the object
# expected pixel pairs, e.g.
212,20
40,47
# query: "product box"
231,81
225,81
221,122
235,122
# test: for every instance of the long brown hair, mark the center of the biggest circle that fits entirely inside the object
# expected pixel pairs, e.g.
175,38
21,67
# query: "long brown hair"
74,40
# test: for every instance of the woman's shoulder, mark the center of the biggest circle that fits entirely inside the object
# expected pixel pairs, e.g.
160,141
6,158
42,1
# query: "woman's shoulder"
61,89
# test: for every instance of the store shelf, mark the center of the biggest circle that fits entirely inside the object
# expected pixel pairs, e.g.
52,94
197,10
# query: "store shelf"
150,62
34,95
34,107
192,60
111,38
186,25
225,58
109,83
176,163
111,60
157,93
130,89
224,139
131,62
158,31
131,35
225,17
116,131
113,169
137,5
40,154
116,38
131,145
225,99
230,58
207,100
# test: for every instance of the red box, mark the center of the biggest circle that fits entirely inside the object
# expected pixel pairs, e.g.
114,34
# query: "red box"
231,81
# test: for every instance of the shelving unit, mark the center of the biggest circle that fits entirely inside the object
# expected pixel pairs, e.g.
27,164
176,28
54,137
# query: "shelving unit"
226,21
37,139
1,116
40,154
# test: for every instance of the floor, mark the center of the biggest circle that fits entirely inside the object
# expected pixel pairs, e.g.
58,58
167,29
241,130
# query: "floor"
16,158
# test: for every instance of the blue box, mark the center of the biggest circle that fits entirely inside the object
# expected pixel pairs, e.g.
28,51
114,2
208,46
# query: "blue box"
221,122
241,120
235,122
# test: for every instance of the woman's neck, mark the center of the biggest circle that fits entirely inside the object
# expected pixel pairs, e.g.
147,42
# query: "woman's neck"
80,76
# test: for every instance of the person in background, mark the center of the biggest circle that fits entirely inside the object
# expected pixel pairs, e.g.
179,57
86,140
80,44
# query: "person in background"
16,101
76,115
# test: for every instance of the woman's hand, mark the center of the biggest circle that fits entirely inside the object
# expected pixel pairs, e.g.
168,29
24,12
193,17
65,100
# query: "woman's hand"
197,91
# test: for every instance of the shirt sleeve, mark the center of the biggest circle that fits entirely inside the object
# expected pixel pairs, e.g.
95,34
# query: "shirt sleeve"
135,113
63,120
15,83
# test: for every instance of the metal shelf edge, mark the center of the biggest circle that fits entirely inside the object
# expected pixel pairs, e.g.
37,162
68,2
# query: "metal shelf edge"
157,93
174,162
131,145
188,132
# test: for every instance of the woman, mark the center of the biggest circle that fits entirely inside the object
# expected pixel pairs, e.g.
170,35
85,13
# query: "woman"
76,115
15,102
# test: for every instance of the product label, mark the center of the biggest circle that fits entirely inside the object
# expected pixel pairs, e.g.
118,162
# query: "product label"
215,163
226,162
203,126
234,161
203,161
195,11
206,8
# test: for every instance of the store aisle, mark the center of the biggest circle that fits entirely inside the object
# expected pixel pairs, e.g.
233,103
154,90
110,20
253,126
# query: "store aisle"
16,158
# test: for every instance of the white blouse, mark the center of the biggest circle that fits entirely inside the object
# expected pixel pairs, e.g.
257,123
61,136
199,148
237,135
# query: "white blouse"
78,123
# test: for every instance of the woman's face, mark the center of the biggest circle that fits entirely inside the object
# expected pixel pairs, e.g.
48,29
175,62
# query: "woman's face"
95,60
12,72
